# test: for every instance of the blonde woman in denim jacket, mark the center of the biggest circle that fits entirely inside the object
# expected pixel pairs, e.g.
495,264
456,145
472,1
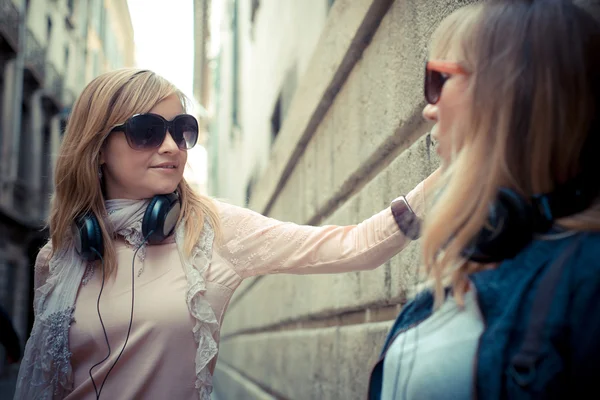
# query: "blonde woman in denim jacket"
512,244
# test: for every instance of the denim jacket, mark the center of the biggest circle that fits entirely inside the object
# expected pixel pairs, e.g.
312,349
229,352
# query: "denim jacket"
542,323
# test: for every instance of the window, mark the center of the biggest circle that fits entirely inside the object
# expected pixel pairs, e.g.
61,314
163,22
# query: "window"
284,100
66,57
288,90
48,28
63,126
249,189
255,4
276,119
70,18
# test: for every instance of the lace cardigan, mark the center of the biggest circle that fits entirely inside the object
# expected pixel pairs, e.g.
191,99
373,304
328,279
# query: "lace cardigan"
252,245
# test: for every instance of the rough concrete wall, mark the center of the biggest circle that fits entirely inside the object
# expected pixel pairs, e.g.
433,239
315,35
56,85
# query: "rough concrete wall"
354,140
283,36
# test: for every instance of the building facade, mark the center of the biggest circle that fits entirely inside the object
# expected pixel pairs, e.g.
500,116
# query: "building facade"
314,116
49,50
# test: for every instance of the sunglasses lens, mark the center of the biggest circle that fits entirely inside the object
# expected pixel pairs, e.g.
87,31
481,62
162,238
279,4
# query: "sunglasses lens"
145,132
434,82
185,131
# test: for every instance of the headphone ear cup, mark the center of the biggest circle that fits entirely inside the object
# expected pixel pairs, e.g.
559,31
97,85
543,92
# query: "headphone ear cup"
507,231
161,217
87,237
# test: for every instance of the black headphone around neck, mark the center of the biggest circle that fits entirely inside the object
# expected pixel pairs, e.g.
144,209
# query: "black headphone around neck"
514,220
158,223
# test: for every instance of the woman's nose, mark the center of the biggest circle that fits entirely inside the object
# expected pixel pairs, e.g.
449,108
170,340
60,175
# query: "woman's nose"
168,145
430,112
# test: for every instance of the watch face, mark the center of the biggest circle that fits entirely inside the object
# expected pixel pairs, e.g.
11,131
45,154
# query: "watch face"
407,221
400,207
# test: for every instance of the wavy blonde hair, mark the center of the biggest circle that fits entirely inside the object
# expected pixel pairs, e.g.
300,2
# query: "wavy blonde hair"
535,96
108,100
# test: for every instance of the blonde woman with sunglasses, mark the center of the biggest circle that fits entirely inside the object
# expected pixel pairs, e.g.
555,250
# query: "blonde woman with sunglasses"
128,233
511,246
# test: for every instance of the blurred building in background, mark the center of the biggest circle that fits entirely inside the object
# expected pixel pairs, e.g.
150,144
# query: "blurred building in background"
247,70
314,116
49,50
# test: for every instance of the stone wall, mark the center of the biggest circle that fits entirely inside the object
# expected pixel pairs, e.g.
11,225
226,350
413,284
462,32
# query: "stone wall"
353,140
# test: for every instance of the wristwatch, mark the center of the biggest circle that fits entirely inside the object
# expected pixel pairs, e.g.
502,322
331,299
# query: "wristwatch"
407,220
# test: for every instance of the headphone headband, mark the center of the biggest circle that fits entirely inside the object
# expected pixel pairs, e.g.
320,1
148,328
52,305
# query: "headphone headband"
513,220
567,199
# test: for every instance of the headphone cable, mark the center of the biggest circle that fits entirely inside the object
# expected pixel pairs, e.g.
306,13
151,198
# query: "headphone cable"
130,318
101,323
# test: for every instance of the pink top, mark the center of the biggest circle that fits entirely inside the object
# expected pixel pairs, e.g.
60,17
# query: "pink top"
158,361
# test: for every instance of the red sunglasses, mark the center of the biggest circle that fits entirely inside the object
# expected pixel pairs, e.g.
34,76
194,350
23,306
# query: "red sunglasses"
436,74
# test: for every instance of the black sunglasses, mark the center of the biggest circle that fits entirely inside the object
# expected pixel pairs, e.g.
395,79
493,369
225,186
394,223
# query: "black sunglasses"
436,75
148,131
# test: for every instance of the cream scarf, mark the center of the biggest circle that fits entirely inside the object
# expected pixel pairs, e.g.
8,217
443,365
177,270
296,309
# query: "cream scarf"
45,371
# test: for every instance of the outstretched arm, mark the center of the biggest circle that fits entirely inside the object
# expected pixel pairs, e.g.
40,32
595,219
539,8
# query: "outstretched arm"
257,245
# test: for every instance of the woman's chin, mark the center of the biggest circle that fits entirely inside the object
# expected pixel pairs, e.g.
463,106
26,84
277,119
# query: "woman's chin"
166,188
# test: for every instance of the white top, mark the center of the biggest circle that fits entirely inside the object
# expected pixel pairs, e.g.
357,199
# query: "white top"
435,360
160,348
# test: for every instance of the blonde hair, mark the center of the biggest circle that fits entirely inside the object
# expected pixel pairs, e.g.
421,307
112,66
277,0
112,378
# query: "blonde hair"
108,100
533,101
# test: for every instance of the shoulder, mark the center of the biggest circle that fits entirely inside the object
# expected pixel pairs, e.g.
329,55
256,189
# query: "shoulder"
230,214
44,254
42,260
42,265
586,262
579,253
583,312
224,207
590,245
